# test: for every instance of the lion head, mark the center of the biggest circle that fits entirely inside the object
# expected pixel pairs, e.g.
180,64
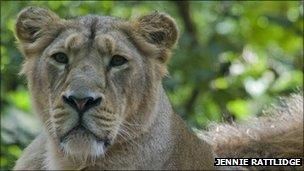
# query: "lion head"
94,79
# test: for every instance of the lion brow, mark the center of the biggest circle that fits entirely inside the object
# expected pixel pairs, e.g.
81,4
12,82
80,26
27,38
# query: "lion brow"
74,41
105,43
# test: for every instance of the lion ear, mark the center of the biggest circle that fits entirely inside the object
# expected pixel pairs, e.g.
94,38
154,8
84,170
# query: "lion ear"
158,29
31,21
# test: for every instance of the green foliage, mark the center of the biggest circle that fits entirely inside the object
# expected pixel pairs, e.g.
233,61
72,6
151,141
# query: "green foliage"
19,99
244,55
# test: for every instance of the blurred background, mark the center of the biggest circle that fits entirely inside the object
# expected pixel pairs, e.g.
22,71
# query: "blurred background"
233,59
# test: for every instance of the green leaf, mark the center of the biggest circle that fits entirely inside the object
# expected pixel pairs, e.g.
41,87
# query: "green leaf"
238,108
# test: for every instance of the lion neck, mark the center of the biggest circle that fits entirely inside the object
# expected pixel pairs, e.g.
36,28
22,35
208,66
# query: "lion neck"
156,138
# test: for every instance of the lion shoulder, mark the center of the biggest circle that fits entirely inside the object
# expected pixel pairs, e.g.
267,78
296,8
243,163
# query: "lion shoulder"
33,156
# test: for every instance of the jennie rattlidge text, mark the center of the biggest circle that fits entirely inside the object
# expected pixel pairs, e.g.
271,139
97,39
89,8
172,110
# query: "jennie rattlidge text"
258,162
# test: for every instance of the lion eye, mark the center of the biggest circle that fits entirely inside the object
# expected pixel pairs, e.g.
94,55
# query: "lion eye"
117,60
60,58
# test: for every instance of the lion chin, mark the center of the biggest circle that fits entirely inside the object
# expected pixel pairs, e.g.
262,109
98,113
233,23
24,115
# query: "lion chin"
80,143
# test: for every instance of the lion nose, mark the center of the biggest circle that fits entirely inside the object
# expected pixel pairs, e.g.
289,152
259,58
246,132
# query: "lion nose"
81,104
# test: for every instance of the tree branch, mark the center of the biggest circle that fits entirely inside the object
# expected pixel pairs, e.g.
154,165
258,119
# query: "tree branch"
184,8
184,11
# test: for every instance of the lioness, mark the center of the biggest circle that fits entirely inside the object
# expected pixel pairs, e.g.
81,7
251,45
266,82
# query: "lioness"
96,85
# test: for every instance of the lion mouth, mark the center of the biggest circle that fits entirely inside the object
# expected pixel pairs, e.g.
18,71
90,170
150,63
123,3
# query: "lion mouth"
80,128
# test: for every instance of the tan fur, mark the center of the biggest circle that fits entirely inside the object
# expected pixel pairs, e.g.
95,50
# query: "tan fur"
135,114
278,133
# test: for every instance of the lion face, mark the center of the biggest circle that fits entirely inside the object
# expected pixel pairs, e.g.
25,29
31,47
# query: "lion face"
93,80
